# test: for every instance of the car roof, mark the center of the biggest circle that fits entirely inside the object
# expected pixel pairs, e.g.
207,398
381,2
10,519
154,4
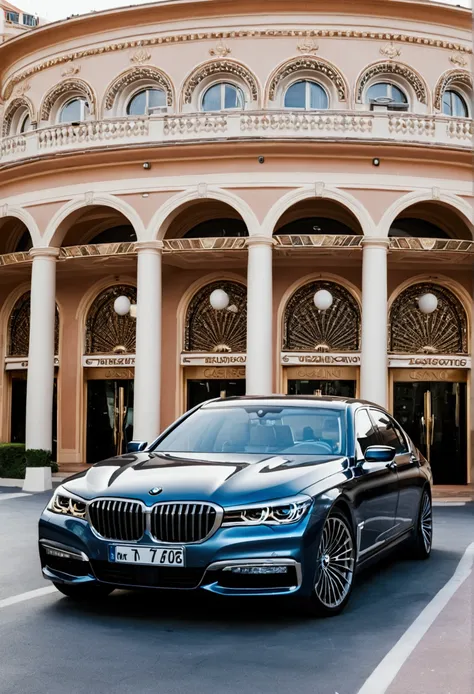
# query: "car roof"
334,402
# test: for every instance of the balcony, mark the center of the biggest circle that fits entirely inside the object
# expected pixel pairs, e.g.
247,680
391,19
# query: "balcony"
251,125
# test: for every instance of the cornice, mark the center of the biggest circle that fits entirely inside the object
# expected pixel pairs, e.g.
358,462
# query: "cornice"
173,39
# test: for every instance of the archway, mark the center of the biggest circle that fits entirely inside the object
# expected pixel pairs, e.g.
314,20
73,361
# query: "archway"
206,219
429,346
321,340
318,216
431,219
97,224
109,357
14,236
214,343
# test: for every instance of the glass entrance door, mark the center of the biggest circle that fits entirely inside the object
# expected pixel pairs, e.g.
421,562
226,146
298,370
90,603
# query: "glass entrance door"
200,390
434,415
345,389
18,413
109,418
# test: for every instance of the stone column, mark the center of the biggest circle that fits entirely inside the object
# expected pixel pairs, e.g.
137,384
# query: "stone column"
259,371
39,392
374,363
146,412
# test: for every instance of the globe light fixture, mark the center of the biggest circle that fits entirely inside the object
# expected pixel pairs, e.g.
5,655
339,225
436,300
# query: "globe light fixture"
219,299
122,305
323,299
428,303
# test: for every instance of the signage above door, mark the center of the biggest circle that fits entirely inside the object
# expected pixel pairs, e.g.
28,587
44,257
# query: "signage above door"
320,358
201,359
422,361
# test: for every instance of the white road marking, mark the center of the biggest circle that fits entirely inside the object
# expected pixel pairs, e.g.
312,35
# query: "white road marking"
384,674
30,595
5,497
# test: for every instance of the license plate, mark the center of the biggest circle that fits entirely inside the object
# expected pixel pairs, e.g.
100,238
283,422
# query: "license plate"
156,556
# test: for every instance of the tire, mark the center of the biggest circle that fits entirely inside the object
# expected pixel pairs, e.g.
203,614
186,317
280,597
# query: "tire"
84,592
335,568
422,539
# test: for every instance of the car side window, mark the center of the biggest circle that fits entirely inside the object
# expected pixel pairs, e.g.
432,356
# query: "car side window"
366,434
389,431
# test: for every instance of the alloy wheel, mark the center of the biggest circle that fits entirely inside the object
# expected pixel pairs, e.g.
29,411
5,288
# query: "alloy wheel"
336,559
426,522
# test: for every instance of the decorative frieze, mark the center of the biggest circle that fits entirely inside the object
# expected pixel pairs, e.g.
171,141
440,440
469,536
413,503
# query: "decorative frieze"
305,64
446,361
20,102
172,39
412,125
195,123
327,359
448,79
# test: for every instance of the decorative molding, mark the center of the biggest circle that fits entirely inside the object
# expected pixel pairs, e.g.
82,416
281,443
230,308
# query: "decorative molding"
435,193
172,39
195,123
104,362
326,359
202,190
134,74
459,59
88,132
141,57
308,63
71,71
307,329
19,328
211,331
21,89
308,46
412,125
219,67
69,85
220,51
19,102
89,198
448,79
442,332
447,361
319,189
296,121
392,68
390,51
211,359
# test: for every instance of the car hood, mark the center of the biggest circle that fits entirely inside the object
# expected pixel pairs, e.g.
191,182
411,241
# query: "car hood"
225,479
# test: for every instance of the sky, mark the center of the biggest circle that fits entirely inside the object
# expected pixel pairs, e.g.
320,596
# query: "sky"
58,9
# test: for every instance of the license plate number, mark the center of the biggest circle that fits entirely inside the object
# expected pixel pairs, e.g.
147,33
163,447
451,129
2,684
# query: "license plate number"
156,556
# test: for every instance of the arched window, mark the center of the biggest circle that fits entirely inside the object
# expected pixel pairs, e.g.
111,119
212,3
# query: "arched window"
386,93
19,328
25,125
306,95
210,330
416,228
75,110
106,331
314,225
119,234
307,329
222,97
454,105
146,101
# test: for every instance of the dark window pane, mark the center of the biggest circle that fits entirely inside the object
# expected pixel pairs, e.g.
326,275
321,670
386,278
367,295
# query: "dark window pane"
295,96
365,433
137,105
387,431
212,99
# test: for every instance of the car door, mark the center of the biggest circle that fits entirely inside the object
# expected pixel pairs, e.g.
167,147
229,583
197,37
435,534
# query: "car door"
377,489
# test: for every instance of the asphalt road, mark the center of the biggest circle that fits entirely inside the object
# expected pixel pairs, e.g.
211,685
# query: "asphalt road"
171,643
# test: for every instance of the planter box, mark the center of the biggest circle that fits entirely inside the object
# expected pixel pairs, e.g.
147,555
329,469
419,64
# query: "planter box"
37,479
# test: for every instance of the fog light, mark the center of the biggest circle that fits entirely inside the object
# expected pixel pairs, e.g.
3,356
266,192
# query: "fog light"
257,569
58,553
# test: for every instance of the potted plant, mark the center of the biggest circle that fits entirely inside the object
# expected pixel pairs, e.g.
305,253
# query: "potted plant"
38,470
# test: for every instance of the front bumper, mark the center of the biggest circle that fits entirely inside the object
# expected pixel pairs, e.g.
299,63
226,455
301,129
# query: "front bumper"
257,560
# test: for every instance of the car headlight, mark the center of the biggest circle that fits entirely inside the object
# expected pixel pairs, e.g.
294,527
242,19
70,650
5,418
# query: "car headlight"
280,512
67,504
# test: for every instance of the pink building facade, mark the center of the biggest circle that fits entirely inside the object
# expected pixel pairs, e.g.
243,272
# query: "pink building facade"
313,165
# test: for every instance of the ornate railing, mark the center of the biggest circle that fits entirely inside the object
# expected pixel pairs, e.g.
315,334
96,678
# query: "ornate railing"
354,125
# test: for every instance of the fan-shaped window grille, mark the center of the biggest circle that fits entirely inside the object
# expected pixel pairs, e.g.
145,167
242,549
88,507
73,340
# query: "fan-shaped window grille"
307,329
19,328
208,330
442,332
106,331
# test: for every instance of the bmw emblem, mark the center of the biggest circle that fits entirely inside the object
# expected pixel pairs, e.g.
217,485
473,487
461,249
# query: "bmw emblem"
155,491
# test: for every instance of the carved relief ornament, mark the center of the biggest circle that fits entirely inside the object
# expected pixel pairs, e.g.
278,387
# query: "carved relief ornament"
218,67
12,108
392,68
141,56
220,51
172,39
66,87
458,59
152,74
448,79
305,64
390,51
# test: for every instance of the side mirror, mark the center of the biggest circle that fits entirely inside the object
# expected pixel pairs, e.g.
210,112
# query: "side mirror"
136,446
379,454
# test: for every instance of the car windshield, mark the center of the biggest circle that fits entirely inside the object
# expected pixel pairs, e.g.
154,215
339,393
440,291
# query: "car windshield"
258,429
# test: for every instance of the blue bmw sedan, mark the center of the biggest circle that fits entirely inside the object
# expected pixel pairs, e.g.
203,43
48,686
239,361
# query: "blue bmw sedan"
258,496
